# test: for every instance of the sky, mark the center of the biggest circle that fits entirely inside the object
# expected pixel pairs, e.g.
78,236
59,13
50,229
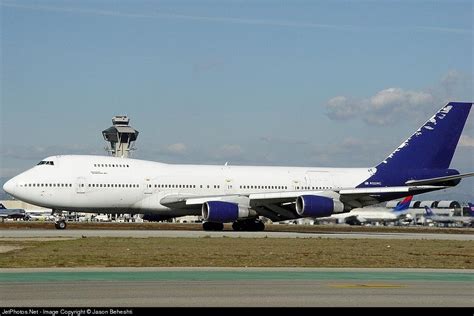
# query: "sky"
299,83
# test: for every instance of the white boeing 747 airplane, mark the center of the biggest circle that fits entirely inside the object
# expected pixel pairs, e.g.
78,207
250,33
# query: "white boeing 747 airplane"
240,194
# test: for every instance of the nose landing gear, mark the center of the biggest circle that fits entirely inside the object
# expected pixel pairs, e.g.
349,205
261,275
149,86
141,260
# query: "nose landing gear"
59,220
61,224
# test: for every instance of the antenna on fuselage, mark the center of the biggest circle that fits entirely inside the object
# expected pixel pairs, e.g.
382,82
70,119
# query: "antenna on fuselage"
120,137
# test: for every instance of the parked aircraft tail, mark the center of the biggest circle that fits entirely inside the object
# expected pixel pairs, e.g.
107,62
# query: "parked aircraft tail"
403,205
471,209
428,211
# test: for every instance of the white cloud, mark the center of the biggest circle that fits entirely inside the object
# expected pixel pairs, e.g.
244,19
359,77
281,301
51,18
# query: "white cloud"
466,141
388,105
341,108
382,108
397,96
177,149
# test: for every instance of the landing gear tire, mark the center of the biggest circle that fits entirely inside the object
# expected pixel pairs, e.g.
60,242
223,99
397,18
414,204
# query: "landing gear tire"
251,225
237,226
60,225
260,226
210,226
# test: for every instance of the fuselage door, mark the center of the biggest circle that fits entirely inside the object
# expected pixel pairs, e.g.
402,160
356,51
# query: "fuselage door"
229,187
80,185
148,186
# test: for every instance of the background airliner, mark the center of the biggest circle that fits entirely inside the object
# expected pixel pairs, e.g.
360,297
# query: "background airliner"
377,214
465,220
239,194
11,212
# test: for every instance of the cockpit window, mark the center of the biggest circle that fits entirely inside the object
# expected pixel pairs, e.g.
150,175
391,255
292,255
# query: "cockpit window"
44,162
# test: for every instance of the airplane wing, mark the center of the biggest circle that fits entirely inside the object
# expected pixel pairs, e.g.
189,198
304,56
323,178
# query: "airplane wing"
279,206
282,205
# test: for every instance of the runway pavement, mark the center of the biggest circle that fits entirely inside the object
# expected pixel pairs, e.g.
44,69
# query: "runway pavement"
239,287
77,233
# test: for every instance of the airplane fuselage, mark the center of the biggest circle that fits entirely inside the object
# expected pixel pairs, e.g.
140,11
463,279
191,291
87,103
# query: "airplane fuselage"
98,183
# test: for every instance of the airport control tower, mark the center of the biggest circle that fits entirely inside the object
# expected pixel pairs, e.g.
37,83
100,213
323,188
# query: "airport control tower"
120,136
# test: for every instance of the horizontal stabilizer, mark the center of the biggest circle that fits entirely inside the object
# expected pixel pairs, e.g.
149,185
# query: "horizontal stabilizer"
439,179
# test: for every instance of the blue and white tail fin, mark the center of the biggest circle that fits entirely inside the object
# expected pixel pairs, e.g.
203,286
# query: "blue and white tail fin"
403,205
424,158
428,211
432,146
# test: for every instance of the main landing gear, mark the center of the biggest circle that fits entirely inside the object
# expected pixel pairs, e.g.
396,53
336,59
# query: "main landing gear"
211,226
250,225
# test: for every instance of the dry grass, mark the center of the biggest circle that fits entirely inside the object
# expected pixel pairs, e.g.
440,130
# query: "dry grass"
239,252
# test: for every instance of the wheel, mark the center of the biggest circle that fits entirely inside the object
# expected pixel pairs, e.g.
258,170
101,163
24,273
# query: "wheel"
210,226
237,226
60,225
249,225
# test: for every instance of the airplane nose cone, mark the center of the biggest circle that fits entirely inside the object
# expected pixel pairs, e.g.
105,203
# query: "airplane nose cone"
9,186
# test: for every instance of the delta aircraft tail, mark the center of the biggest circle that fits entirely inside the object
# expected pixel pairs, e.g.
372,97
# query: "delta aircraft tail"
403,205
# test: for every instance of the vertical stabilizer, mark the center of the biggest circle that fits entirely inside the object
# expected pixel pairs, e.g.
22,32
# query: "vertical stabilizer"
403,205
432,146
428,211
471,209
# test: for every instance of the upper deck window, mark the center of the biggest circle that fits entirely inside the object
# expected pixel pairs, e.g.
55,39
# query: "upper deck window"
44,162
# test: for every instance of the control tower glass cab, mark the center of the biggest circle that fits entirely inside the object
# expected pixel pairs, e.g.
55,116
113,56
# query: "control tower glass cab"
120,137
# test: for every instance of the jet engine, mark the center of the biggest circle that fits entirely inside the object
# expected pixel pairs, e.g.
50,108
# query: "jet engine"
224,212
317,206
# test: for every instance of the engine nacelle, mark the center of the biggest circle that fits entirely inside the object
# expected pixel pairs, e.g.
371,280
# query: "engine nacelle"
224,212
317,206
